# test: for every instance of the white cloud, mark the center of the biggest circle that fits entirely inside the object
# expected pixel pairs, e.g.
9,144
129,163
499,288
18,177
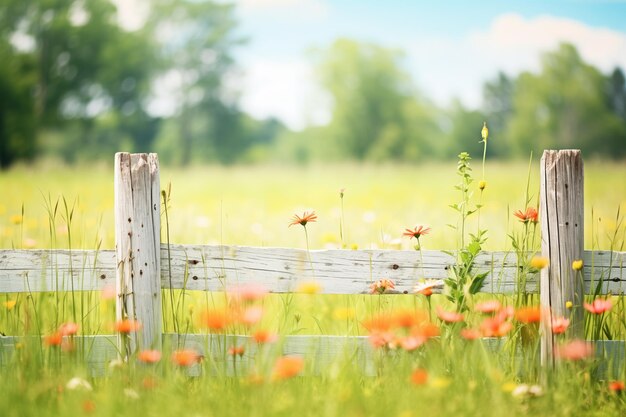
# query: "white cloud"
457,67
308,8
284,89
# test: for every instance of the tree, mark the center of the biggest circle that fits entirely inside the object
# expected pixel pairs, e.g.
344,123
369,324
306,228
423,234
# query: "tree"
564,106
376,111
498,108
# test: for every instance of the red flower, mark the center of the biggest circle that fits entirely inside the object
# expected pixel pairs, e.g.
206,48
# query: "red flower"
598,306
449,316
127,326
530,214
559,325
306,218
419,376
416,232
149,356
54,339
617,386
236,350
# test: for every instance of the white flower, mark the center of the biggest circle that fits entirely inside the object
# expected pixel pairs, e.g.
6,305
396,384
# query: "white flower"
116,363
524,390
131,393
428,283
78,383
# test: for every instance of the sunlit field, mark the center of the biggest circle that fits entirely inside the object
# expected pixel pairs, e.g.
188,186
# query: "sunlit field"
253,205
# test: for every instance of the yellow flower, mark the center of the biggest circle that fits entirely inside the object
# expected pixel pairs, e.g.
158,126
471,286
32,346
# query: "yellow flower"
16,219
440,382
577,265
309,287
482,184
485,132
10,304
354,246
342,313
539,262
569,305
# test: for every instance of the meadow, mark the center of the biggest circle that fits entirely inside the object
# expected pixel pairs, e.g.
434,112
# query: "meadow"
423,361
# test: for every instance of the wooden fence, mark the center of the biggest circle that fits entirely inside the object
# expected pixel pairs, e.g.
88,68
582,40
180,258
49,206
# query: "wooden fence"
141,266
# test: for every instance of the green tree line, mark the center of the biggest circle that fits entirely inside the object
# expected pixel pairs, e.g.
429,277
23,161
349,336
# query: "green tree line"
75,85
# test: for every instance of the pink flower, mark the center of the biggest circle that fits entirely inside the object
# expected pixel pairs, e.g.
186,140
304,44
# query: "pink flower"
598,306
449,316
380,286
575,350
559,325
488,307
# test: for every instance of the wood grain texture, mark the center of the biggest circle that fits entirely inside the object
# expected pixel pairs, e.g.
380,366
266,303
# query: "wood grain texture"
203,267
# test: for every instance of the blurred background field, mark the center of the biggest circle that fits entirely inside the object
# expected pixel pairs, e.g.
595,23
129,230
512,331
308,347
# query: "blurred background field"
253,205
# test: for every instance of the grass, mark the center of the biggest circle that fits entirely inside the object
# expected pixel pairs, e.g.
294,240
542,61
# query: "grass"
444,376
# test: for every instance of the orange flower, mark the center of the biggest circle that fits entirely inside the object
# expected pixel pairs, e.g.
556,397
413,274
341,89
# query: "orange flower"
306,218
617,386
214,320
264,336
426,287
488,307
380,339
379,323
575,350
54,339
470,334
426,330
416,232
408,318
528,315
449,316
127,326
495,327
381,286
236,350
287,367
419,376
559,325
185,357
89,406
530,214
149,356
68,329
598,306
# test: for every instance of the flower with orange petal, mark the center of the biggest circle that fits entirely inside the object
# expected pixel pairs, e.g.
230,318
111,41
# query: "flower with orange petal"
617,386
382,285
287,367
530,215
127,326
495,327
236,350
306,218
68,329
449,316
427,330
528,315
383,322
416,232
54,339
264,336
488,307
185,357
149,356
419,376
215,321
559,325
575,350
379,339
410,343
408,318
598,306
426,287
470,334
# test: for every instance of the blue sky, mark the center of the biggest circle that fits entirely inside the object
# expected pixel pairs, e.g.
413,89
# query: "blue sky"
451,47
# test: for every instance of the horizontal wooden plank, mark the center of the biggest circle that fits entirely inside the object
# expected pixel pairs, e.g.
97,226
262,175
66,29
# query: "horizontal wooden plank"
215,268
321,352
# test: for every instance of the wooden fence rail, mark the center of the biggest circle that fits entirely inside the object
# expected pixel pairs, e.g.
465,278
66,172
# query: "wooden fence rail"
141,265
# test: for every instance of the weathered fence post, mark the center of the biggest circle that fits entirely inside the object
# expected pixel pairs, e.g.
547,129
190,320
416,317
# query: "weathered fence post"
138,248
562,242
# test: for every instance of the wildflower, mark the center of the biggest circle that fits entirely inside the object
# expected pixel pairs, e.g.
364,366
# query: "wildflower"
530,215
482,184
484,133
89,406
116,363
185,357
379,323
16,219
214,320
379,339
131,393
539,262
495,327
559,325
617,386
9,305
54,339
575,350
343,313
309,287
488,307
108,292
470,334
426,330
306,218
528,315
412,342
408,318
416,232
149,382
524,390
449,316
127,326
287,367
569,305
248,292
419,376
78,383
381,286
149,356
598,306
68,329
264,336
251,315
426,287
236,350
577,265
